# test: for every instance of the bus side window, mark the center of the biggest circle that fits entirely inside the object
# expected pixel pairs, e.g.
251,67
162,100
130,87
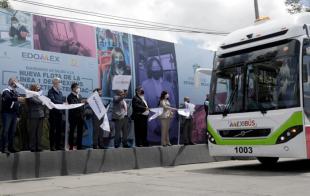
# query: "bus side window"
306,76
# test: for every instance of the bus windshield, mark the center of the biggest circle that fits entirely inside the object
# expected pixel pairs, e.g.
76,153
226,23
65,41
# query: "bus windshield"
259,79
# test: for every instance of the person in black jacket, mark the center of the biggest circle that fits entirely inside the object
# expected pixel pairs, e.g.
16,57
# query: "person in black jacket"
17,30
140,116
55,117
97,131
10,102
36,114
76,120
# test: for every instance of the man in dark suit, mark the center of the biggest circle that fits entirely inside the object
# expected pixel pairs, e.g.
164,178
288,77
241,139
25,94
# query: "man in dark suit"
10,102
36,114
187,123
140,115
55,117
76,120
97,131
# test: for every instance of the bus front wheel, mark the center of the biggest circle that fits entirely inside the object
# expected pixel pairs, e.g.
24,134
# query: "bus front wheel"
268,160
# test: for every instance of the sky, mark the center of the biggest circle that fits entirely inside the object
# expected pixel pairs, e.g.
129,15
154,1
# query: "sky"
218,15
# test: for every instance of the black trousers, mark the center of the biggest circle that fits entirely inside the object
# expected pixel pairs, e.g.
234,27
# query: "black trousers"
76,123
97,133
35,129
187,131
9,122
140,123
55,121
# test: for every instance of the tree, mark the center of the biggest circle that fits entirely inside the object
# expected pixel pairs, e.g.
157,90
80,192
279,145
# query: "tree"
5,4
294,6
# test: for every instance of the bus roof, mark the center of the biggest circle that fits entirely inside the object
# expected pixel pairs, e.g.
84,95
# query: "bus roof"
265,31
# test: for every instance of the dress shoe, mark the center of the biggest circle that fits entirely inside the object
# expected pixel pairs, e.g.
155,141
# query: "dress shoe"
12,150
6,151
126,146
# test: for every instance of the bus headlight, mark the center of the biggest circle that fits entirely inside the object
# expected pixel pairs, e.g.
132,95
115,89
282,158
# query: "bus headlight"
289,134
211,138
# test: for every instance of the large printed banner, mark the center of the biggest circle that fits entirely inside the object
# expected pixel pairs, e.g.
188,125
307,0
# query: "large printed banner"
15,29
156,71
62,36
36,49
188,62
114,58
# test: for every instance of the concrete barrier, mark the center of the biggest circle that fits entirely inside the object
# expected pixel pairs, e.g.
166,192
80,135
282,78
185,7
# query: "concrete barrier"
119,159
148,157
24,165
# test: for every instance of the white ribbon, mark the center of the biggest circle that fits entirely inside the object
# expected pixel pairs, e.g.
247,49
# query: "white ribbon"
28,92
157,112
96,105
105,125
46,101
184,112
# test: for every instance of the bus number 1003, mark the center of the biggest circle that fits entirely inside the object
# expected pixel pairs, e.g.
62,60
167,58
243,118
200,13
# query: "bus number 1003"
244,150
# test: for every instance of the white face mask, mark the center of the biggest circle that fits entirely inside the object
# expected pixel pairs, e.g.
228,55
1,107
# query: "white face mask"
15,25
78,90
58,86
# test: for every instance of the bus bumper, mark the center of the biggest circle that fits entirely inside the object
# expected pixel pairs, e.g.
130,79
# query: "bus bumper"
295,148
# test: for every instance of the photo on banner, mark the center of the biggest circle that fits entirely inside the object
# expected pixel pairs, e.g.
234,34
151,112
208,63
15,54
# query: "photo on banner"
156,71
188,63
38,57
63,36
15,29
114,58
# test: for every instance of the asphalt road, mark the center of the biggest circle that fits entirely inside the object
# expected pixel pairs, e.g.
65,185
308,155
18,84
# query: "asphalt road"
289,177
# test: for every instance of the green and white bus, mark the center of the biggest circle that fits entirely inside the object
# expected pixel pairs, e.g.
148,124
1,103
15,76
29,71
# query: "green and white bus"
260,92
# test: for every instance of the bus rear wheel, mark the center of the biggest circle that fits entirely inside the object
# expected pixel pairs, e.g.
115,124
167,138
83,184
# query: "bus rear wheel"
268,160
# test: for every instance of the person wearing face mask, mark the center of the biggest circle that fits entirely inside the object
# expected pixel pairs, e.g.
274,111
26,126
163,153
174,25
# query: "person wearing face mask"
187,122
153,86
10,102
76,120
117,67
18,31
97,131
55,116
165,118
36,114
119,117
140,116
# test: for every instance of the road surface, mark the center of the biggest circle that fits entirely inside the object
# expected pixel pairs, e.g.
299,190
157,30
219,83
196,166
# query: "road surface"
289,177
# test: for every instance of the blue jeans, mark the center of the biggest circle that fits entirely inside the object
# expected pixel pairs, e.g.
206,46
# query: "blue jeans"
9,121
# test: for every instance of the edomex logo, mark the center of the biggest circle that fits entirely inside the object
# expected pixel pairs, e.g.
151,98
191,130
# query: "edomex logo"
195,67
40,57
